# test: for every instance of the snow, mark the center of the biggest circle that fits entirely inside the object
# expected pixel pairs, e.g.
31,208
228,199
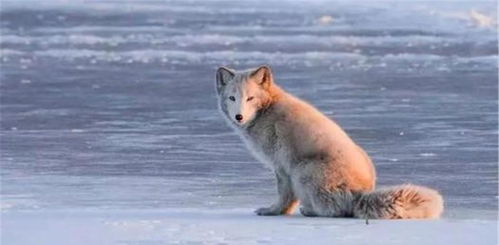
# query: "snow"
109,132
233,226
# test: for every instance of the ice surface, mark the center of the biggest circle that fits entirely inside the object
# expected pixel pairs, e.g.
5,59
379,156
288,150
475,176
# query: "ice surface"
234,226
110,106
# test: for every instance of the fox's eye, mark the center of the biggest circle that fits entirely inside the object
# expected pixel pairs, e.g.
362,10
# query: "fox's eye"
232,98
250,98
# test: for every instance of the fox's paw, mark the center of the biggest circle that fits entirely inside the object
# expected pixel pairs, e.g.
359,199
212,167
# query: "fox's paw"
307,212
268,211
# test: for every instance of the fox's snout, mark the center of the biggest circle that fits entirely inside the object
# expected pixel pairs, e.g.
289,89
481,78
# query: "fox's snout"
239,117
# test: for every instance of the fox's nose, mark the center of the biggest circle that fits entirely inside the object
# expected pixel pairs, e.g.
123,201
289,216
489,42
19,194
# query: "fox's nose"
239,117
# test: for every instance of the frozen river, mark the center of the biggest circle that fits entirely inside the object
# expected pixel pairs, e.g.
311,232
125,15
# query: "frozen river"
108,106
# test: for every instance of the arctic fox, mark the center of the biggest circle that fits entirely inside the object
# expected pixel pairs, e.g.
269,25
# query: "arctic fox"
315,162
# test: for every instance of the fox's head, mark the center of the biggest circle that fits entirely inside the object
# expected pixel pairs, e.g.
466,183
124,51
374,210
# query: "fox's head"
242,94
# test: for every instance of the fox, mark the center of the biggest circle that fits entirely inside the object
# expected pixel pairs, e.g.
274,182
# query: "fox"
316,164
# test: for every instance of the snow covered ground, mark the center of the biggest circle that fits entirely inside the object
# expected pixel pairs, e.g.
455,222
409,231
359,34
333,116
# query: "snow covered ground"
233,226
109,132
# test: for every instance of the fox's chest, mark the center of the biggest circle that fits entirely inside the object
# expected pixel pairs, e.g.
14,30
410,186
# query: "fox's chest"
267,146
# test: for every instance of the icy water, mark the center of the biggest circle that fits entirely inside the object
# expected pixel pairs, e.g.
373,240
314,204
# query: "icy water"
112,106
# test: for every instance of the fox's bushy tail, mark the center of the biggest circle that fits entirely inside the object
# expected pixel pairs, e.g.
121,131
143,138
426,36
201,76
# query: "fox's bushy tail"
399,202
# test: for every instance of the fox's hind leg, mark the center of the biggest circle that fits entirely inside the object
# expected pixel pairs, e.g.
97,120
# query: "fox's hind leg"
286,202
301,190
335,203
318,201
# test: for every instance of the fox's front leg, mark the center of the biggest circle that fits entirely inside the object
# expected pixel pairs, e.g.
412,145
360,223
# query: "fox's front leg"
286,202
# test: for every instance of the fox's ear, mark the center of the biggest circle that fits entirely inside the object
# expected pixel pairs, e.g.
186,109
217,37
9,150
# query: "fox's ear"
263,76
224,75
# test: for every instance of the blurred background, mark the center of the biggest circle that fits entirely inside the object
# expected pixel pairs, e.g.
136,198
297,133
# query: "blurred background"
111,104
